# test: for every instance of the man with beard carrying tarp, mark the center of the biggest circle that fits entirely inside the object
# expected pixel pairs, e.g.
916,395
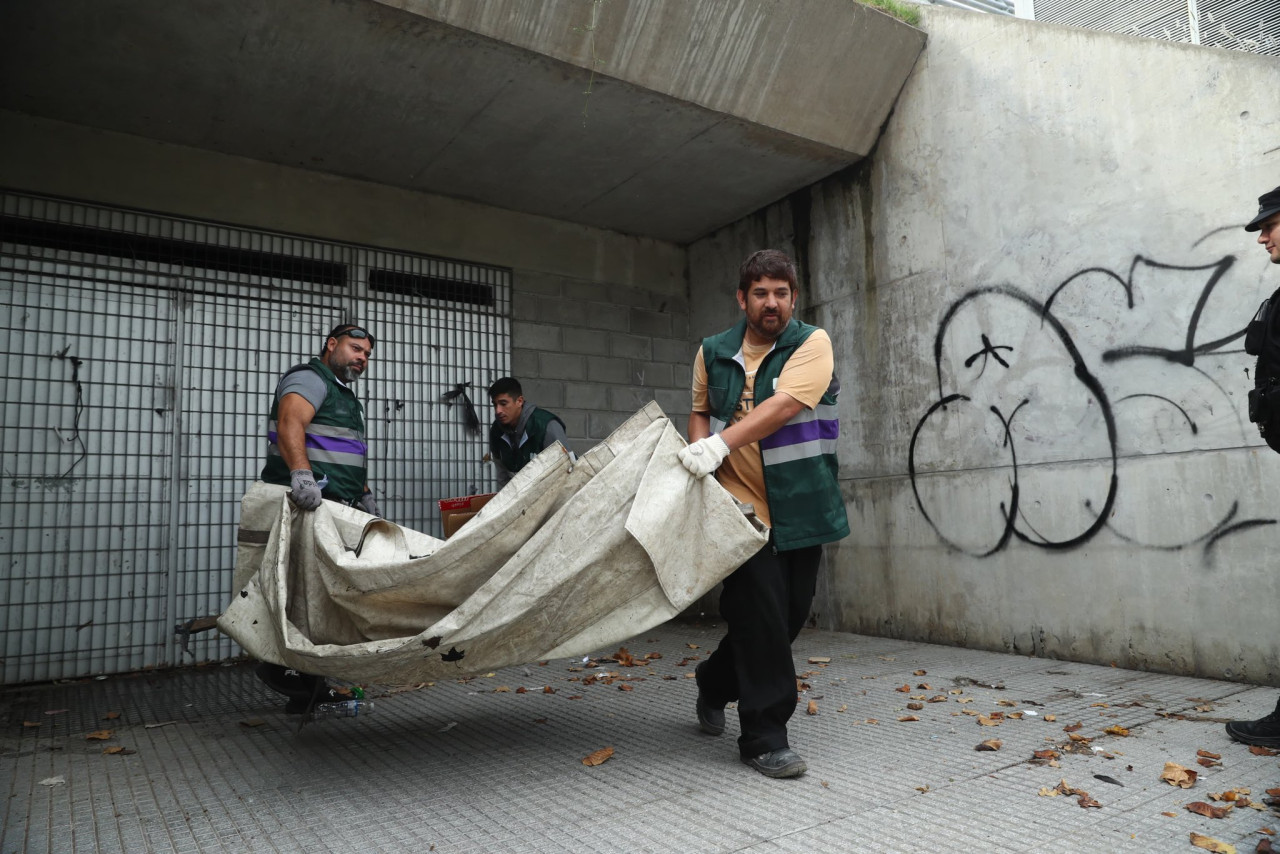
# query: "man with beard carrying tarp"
316,446
764,420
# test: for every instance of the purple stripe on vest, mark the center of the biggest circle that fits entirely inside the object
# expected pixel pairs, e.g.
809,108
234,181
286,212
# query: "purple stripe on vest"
336,445
806,431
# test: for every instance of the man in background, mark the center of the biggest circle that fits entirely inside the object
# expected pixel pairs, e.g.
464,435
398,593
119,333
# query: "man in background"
520,430
1264,732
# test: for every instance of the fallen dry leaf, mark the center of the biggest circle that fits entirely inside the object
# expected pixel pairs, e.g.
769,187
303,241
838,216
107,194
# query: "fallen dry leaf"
502,689
547,689
970,712
575,697
1175,775
1207,810
252,722
915,707
965,700
1046,754
812,708
1264,847
940,698
983,720
1170,814
692,645
1208,843
918,673
624,658
1268,831
1047,792
1014,716
872,721
30,724
598,757
1075,727
924,789
924,686
690,675
1116,729
990,744
1208,763
110,716
1230,794
1005,703
522,690
1207,755
908,718
904,689
843,708
99,735
819,659
1275,793
625,687
1077,737
1262,751
1050,718
1097,705
118,751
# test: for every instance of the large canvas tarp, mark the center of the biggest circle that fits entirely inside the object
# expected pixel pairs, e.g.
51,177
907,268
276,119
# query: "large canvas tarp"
569,558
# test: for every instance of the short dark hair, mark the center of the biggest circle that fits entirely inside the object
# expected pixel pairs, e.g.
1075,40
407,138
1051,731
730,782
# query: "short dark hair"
506,385
344,329
767,264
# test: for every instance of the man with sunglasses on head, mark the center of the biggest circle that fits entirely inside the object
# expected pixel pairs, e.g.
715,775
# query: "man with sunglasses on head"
316,447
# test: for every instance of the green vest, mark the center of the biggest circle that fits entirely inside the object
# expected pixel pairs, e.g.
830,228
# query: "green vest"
528,444
800,470
335,438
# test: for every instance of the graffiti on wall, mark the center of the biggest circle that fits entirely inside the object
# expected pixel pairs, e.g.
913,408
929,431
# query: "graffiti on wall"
1043,401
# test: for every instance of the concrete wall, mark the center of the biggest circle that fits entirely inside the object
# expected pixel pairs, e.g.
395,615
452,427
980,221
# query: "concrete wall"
600,319
1049,228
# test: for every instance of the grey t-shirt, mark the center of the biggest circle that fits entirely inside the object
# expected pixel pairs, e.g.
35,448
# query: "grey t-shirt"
307,383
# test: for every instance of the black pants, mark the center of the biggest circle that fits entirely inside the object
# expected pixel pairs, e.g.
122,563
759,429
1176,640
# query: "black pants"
766,603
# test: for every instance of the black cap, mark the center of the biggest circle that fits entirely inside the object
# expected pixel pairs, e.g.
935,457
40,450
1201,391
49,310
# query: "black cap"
1268,204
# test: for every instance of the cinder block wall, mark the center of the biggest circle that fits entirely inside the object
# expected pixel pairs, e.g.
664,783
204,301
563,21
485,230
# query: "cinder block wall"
595,352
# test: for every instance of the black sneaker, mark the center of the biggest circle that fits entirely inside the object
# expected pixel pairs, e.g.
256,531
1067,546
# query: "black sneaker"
1264,732
292,683
784,762
710,718
324,694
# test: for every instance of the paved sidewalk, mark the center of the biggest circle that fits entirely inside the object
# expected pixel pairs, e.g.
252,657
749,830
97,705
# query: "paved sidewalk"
212,764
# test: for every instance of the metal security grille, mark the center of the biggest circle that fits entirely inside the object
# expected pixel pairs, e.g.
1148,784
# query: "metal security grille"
140,359
1247,25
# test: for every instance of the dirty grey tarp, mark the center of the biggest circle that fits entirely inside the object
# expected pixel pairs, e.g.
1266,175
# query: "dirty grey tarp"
567,559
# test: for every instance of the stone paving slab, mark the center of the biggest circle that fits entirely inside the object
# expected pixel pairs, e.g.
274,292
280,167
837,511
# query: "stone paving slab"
464,766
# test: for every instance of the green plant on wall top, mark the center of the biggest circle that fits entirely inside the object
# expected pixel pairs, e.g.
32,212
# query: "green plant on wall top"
906,12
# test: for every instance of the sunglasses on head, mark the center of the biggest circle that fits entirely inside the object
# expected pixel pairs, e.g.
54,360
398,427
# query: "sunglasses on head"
354,332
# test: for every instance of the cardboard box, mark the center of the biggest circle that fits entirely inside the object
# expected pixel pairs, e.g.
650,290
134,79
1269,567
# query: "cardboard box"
454,512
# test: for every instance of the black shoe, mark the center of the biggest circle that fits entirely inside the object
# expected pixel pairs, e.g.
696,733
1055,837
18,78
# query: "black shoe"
291,683
324,694
710,718
1264,732
784,762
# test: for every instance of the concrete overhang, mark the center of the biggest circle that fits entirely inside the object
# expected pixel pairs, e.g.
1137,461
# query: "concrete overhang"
699,111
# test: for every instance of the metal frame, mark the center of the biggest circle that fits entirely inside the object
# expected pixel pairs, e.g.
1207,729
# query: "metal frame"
142,352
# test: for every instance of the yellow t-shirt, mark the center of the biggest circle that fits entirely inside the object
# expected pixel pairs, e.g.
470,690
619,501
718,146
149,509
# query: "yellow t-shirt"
805,377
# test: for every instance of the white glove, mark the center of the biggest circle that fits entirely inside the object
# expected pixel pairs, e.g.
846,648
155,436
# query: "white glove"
368,504
305,493
704,456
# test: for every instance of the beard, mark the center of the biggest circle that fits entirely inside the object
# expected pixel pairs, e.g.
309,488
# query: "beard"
346,373
776,323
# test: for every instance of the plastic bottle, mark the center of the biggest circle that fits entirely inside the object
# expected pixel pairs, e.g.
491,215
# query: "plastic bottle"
344,709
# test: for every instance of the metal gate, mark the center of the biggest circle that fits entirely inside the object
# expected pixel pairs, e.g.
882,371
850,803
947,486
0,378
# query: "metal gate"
140,358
